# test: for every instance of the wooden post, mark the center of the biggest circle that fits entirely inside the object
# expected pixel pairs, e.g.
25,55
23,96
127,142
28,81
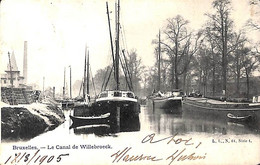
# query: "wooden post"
115,119
118,116
53,89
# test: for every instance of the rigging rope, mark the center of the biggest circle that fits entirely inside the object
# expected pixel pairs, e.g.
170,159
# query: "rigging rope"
93,84
130,77
125,72
104,81
108,77
81,86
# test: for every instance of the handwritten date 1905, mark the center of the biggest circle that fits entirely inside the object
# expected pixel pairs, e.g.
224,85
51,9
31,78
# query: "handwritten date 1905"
35,158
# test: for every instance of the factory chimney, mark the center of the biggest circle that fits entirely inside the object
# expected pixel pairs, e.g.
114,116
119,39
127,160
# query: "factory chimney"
25,63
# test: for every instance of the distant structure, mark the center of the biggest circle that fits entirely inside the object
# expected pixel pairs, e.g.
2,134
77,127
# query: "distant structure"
18,80
14,87
25,63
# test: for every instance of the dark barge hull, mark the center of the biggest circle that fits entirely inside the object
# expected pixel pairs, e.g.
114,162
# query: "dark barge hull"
166,103
127,108
220,111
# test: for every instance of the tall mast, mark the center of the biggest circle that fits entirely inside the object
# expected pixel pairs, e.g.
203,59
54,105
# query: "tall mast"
84,81
110,35
159,63
88,74
117,47
64,83
70,84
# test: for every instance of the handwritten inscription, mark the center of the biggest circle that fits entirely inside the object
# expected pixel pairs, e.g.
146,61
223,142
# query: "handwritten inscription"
122,155
173,139
128,154
33,158
180,156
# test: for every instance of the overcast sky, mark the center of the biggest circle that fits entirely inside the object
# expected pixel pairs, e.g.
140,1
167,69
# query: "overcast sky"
58,30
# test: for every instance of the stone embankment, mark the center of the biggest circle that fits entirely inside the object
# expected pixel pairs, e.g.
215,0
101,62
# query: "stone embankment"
22,122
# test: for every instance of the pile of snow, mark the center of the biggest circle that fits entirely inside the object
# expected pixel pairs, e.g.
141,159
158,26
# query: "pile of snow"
38,109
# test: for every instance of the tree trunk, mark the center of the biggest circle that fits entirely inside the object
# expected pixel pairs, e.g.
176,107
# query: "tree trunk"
213,74
238,85
224,53
176,73
206,82
200,77
238,77
164,80
247,84
184,81
173,75
214,80
175,64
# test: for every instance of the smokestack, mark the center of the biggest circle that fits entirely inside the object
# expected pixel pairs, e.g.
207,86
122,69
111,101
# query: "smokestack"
25,63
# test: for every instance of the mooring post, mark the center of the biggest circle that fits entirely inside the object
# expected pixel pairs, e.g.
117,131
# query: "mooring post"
118,116
115,119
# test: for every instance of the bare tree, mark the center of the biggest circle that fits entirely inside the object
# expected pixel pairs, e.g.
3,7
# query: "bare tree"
213,52
237,65
221,26
179,46
250,63
135,68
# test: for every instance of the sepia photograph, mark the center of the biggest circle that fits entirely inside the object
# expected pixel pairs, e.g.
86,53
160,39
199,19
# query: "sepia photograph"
158,82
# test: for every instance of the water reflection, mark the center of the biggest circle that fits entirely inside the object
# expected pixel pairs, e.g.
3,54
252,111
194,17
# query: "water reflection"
108,129
193,121
184,121
99,130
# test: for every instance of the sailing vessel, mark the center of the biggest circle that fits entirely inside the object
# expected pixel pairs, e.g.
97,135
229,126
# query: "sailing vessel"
66,102
85,100
82,106
122,104
171,99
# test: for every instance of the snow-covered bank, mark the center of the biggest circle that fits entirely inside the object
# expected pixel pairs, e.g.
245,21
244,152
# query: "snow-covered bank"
28,120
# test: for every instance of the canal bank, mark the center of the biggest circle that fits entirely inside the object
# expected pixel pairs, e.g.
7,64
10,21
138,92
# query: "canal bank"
25,121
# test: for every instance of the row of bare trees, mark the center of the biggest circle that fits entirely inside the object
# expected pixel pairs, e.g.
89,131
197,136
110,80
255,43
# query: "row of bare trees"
210,60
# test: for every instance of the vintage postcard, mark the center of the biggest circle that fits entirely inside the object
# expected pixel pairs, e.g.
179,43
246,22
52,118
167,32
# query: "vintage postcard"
130,82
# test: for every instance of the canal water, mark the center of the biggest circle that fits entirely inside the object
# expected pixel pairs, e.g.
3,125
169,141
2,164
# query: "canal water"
157,133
